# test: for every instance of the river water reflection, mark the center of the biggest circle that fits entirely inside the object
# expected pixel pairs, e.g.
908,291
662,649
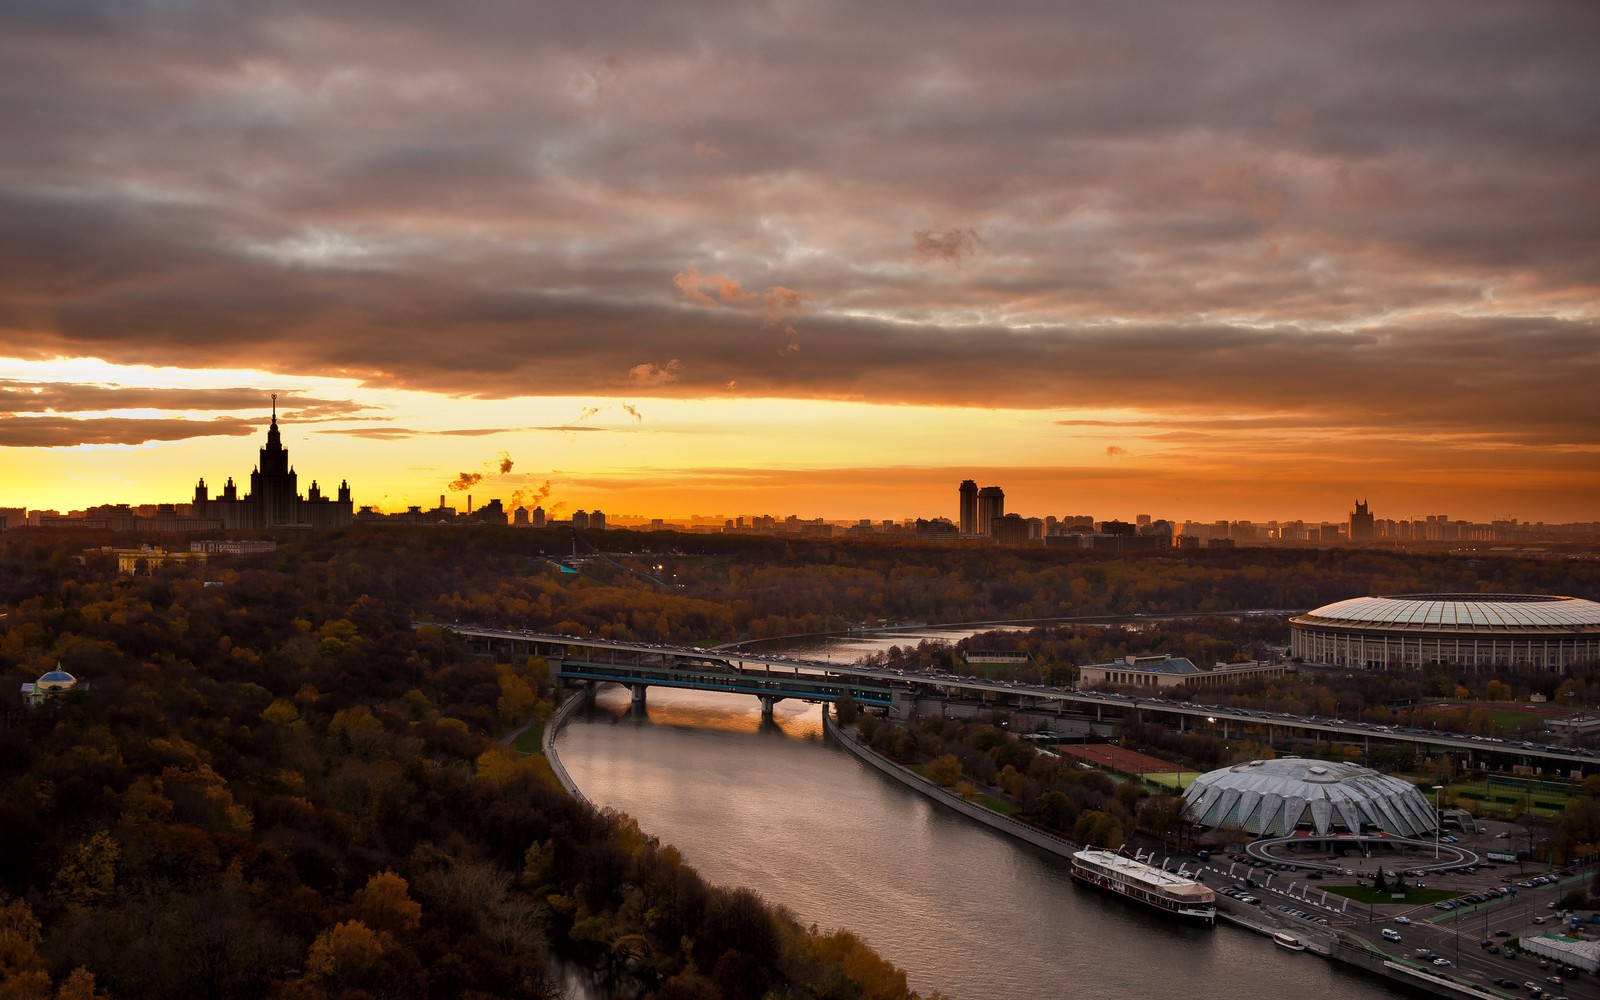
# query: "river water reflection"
965,910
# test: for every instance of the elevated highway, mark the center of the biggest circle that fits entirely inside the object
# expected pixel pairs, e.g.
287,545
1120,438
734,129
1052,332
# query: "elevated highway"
772,678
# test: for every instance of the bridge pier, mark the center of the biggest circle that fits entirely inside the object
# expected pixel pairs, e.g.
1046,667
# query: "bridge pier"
767,701
638,694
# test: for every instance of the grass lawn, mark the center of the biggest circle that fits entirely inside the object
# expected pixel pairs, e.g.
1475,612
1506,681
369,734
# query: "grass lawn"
1176,781
1367,894
1513,720
993,804
530,742
1505,798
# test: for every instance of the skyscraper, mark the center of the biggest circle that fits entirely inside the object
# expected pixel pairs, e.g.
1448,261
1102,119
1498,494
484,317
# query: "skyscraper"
273,500
991,507
969,507
1360,523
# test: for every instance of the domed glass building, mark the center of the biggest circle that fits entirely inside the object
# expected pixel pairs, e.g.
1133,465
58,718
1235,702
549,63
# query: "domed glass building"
49,685
55,680
1276,798
1477,631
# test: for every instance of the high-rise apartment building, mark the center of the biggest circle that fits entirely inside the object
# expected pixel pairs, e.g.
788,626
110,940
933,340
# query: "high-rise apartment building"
968,520
991,507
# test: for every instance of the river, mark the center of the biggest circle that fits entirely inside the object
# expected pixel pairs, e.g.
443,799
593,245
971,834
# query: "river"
967,911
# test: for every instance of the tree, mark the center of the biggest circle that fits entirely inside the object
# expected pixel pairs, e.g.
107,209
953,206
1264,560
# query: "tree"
19,939
1098,829
89,873
1379,882
344,954
845,709
383,904
944,771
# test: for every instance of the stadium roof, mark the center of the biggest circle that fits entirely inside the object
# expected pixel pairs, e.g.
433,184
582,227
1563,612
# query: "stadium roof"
1493,612
1274,797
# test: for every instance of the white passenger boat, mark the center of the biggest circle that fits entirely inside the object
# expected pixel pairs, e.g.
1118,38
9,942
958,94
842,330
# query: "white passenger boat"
1172,892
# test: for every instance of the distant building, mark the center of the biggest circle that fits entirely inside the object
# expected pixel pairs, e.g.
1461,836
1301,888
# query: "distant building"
492,512
142,560
1171,671
968,520
52,685
234,546
1360,528
991,507
274,500
1009,529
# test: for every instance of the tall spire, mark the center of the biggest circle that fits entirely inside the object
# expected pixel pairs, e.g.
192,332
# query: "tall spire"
274,459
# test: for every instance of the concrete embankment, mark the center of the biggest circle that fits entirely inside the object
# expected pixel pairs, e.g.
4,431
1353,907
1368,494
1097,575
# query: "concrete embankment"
1059,846
548,745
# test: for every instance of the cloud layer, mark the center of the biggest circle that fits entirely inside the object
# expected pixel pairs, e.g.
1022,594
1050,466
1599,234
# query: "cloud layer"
1377,219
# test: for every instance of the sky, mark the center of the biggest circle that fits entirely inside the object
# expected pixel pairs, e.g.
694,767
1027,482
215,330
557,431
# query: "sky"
1235,259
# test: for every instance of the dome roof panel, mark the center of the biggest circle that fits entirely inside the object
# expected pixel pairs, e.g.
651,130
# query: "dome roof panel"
1274,795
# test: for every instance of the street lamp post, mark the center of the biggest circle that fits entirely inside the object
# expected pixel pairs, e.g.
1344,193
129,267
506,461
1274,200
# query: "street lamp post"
1436,790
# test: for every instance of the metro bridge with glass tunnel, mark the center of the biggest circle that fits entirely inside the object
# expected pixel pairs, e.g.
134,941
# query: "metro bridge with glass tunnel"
772,678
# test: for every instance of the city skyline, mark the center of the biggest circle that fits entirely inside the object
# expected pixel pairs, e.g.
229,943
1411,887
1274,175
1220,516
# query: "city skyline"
1246,262
271,499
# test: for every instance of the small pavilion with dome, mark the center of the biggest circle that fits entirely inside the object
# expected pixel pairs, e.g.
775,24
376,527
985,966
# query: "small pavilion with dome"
51,685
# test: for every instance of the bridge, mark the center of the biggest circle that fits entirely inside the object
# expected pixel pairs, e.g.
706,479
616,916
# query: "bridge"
773,678
641,665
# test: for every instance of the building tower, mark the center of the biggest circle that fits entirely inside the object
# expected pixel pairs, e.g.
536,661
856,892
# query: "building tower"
274,499
991,507
969,507
273,483
1360,523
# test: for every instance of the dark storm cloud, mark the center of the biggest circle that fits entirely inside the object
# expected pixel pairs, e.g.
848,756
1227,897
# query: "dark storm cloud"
1368,215
61,432
67,397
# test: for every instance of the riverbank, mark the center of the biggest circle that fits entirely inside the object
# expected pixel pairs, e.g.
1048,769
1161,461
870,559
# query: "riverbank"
1059,846
548,745
1335,945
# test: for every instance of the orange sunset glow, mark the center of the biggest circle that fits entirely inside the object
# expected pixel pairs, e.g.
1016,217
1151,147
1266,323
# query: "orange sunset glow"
1249,261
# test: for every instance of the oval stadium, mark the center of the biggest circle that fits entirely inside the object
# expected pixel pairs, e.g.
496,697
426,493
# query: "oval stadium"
1478,631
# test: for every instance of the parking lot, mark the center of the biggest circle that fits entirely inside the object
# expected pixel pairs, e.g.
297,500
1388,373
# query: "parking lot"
1473,936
